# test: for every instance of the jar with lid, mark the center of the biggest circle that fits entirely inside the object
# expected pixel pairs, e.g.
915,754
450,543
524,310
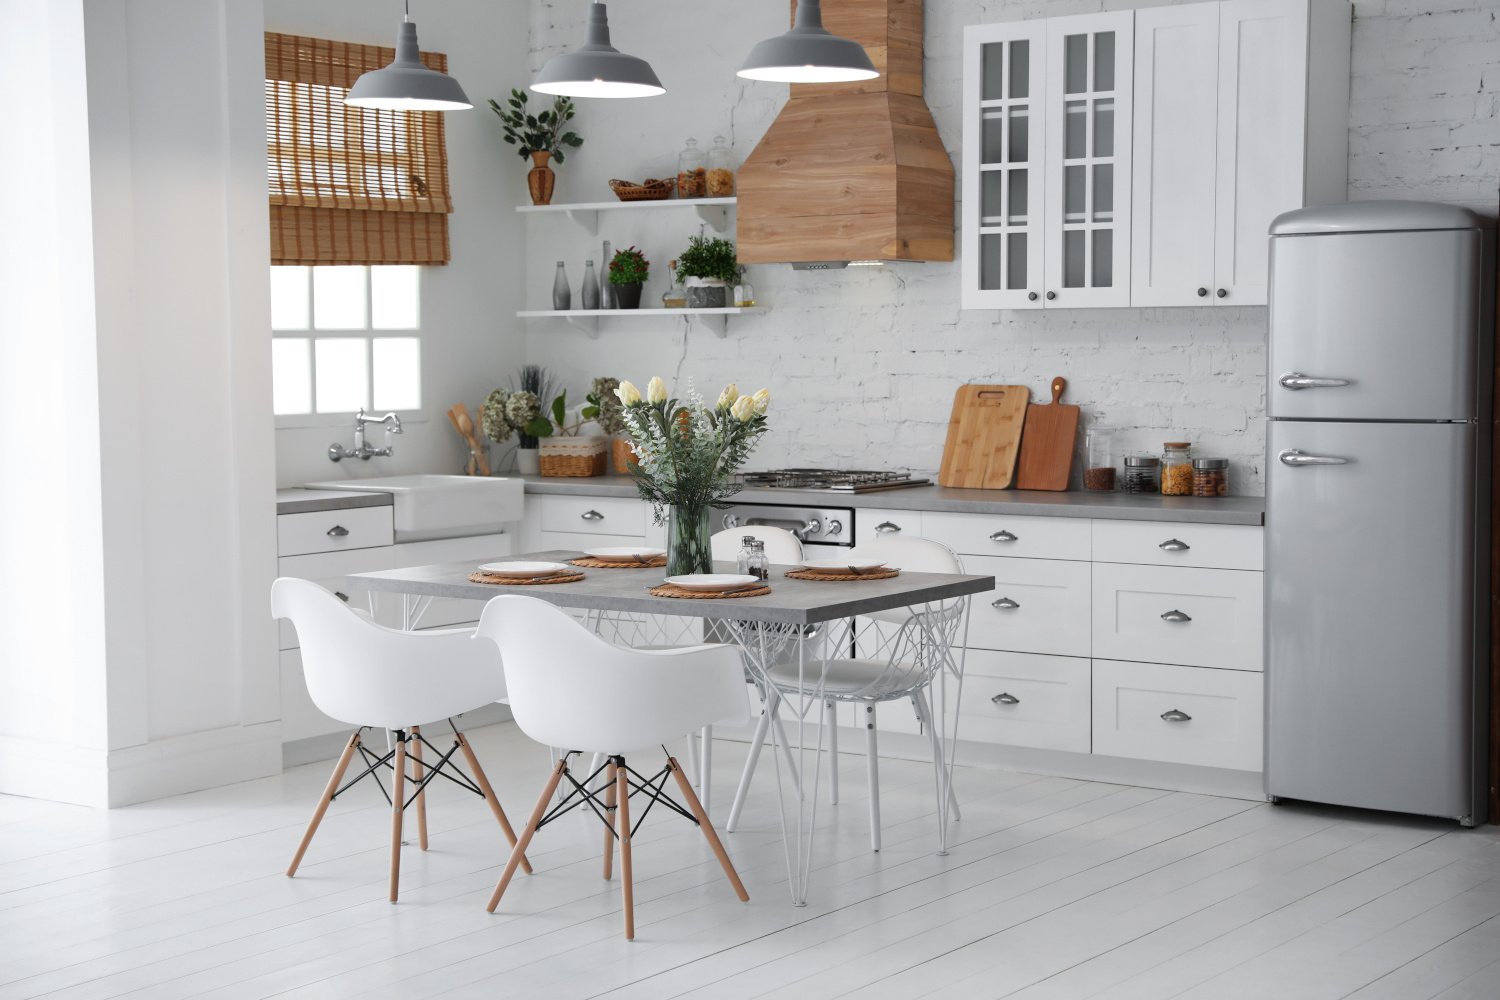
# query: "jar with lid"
720,169
1176,469
692,176
675,297
759,566
1099,473
1210,477
747,551
1140,474
744,292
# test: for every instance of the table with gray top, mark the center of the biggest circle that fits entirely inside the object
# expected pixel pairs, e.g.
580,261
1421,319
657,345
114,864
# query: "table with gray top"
807,622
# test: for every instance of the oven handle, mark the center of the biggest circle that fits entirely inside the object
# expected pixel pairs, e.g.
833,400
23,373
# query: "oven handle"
799,529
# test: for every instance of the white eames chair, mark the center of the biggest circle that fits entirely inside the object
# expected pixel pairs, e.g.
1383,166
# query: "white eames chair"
569,688
368,675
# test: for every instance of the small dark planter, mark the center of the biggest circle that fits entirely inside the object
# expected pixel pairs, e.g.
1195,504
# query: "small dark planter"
628,296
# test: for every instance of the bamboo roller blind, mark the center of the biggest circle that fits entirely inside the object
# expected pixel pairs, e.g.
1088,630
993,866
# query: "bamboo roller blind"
350,185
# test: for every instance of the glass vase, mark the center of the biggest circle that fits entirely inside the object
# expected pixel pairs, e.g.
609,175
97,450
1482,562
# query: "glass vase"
689,541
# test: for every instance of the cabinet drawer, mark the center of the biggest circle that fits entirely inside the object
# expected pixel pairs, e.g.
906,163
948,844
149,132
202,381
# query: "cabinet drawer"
333,530
1161,614
1206,546
1023,537
1037,606
1021,699
594,515
1185,715
328,569
872,524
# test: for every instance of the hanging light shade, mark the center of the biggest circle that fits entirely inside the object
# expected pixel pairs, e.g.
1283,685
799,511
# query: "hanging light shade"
808,54
597,69
407,84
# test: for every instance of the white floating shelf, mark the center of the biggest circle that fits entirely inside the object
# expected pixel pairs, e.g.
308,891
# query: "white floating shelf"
714,211
588,319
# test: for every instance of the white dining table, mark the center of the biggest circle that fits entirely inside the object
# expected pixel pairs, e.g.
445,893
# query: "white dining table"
812,621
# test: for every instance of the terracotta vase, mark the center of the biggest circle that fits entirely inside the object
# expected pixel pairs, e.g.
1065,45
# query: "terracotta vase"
541,180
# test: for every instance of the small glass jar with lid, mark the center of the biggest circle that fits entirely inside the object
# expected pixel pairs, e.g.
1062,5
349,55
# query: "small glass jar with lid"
1140,474
692,175
720,169
1210,477
1099,473
744,292
675,297
1176,469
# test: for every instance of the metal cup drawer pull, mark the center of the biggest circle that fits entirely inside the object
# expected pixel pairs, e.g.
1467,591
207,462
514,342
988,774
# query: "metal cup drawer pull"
1004,604
337,531
1176,617
1176,716
1005,698
1174,545
886,528
592,515
1002,536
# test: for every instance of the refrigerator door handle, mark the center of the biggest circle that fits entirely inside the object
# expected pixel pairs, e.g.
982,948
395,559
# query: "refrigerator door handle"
1295,458
1297,380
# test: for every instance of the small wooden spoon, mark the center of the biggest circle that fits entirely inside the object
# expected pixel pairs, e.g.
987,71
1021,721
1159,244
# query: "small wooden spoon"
466,428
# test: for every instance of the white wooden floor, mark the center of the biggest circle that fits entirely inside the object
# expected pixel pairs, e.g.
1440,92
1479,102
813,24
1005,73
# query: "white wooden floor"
1055,889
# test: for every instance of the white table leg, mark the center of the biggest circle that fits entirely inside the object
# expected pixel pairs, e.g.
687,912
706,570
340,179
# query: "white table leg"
833,752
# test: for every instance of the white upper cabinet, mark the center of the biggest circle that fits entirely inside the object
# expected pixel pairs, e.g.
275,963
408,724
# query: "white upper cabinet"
1162,143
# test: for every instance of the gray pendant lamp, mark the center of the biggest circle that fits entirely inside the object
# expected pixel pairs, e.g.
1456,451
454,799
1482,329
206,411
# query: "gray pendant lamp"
808,54
597,69
407,84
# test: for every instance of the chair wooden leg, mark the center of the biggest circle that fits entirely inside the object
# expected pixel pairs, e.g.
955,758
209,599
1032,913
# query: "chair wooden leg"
520,849
419,771
398,799
610,812
872,751
707,827
322,807
623,813
483,782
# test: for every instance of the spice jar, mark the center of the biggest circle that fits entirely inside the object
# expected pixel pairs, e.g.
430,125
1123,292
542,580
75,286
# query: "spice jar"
1176,469
1099,473
1210,477
1140,474
692,177
720,169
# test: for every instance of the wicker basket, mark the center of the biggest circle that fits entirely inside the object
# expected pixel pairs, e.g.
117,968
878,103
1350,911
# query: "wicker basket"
573,457
648,190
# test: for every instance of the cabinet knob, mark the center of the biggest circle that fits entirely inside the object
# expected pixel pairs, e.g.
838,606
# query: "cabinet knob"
1002,536
1175,716
1031,296
1005,698
1174,545
1176,617
1203,293
592,515
337,531
1222,293
1051,296
1004,604
887,528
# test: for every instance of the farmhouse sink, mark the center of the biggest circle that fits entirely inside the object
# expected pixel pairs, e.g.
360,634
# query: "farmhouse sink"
429,506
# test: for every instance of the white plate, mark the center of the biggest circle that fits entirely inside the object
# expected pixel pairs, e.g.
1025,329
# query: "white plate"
525,570
625,554
845,565
710,583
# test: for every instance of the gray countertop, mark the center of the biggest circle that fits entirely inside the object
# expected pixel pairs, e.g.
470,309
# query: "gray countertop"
1114,506
296,501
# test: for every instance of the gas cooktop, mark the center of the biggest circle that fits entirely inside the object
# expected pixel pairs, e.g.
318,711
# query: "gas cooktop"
830,480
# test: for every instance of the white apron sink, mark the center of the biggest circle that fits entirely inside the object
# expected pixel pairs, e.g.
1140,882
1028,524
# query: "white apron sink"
431,506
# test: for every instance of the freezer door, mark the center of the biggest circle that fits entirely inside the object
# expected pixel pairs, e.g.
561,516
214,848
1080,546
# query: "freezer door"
1384,324
1370,615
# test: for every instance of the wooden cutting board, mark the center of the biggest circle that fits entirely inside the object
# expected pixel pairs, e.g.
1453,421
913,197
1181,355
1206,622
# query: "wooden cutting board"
984,436
1047,444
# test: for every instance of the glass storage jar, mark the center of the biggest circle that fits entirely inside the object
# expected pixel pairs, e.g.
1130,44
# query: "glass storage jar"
692,176
1099,473
720,169
1176,469
1140,474
1210,477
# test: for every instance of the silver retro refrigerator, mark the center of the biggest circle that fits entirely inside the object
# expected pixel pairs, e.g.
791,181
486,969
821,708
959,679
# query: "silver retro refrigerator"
1377,507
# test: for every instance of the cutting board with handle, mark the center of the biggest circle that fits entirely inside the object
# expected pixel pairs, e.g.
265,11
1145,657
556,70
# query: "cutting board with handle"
984,436
1047,444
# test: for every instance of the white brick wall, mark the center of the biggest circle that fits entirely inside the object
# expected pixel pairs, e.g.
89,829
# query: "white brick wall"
864,363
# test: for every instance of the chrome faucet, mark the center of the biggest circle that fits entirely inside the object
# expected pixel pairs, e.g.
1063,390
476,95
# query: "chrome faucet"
361,449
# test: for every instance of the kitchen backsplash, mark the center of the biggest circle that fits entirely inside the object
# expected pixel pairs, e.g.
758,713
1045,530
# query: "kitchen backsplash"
864,362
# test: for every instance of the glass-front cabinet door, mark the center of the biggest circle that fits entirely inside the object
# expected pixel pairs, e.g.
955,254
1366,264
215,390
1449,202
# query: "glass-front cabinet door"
1003,185
1086,220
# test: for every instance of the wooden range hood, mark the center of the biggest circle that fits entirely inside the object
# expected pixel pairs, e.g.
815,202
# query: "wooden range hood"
853,171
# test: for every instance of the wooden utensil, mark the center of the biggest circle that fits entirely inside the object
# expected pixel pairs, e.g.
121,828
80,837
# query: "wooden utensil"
1047,444
984,436
459,414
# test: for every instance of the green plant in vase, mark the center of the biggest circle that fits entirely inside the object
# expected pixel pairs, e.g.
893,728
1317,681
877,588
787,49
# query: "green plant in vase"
709,268
687,454
541,137
628,271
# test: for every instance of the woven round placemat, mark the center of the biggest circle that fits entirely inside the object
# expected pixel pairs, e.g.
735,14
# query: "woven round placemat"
830,577
514,581
672,590
591,563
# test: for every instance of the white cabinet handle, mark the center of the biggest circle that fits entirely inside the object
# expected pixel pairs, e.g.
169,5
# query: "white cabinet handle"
592,515
1005,698
1004,604
337,531
1176,617
1175,716
887,527
1002,536
1174,545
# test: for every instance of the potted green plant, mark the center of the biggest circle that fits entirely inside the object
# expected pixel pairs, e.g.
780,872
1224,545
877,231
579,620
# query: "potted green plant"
518,410
708,268
541,137
628,270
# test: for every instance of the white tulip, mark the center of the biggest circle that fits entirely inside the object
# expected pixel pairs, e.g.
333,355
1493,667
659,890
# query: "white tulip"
656,391
628,394
762,401
743,409
728,396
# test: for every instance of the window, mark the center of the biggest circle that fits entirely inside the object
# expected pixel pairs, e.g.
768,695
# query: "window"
344,338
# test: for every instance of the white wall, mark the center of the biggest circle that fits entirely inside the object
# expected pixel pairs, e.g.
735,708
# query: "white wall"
864,363
471,340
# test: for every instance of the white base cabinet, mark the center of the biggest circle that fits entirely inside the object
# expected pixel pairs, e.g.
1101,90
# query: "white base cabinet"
1023,699
1184,715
